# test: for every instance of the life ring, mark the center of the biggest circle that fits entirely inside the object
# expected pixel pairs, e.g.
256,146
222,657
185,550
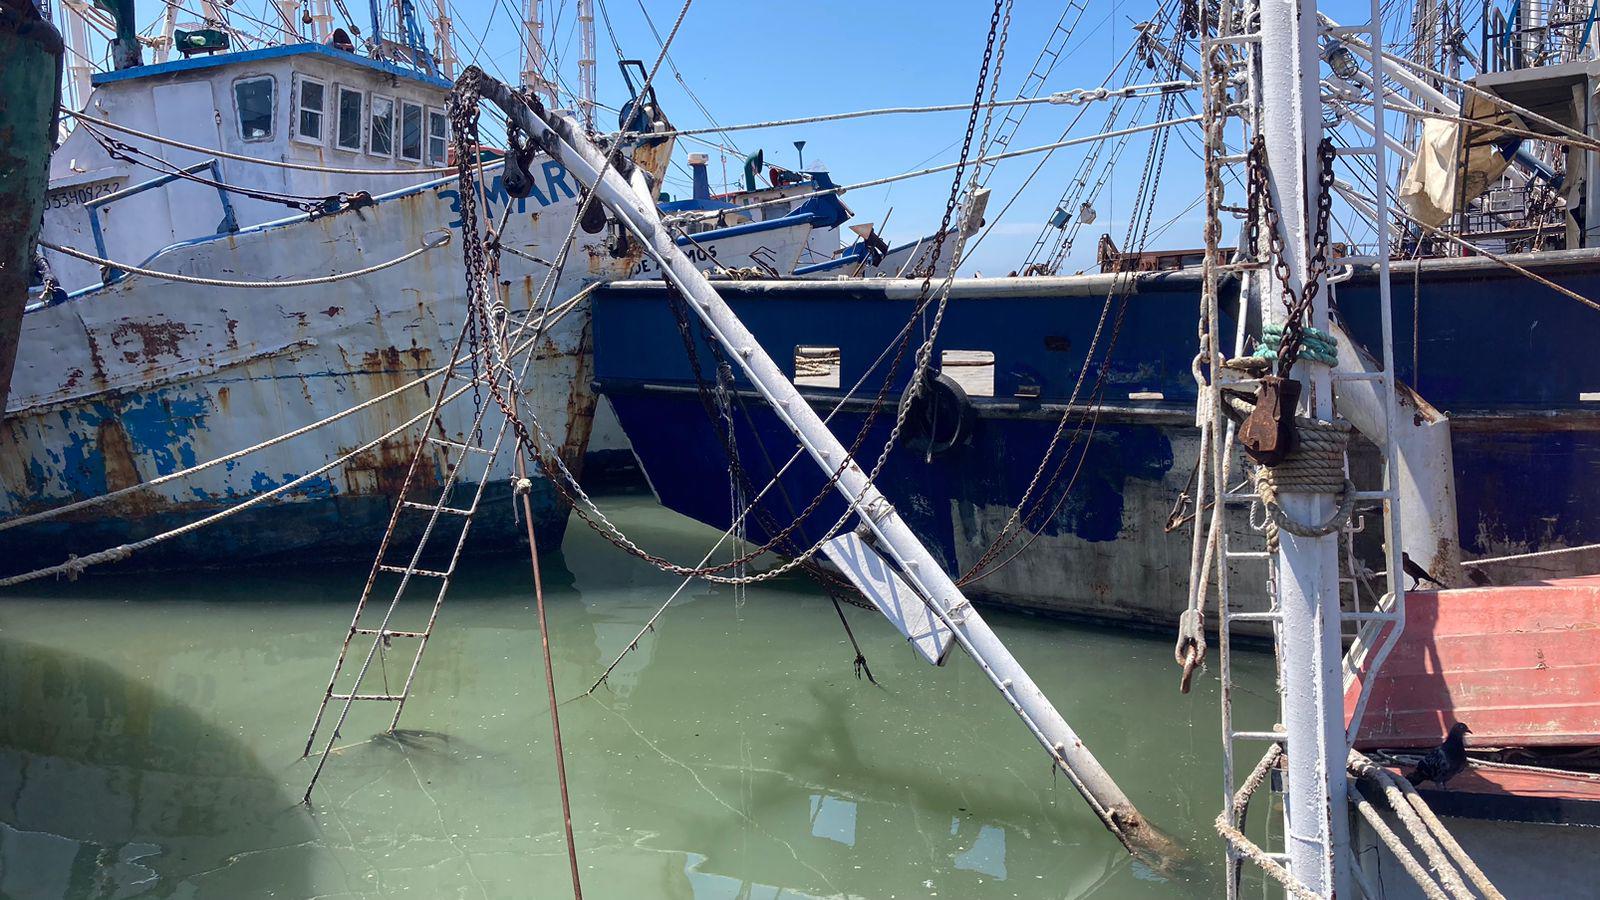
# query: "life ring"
938,417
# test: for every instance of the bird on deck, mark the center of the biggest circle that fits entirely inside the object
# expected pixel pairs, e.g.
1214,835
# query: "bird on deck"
1445,761
1418,573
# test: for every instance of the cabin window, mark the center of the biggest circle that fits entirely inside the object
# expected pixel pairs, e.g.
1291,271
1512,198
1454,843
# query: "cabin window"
438,135
816,366
972,369
253,98
310,104
351,106
380,136
411,131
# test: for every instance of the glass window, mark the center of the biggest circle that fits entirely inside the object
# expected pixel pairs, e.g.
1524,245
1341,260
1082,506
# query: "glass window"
411,131
351,104
438,137
310,108
252,97
380,140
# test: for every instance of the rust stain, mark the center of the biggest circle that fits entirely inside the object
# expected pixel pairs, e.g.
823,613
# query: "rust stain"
74,375
332,311
233,337
117,451
149,341
222,398
382,469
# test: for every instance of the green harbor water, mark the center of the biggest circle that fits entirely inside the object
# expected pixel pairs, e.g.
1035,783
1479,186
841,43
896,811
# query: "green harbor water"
151,729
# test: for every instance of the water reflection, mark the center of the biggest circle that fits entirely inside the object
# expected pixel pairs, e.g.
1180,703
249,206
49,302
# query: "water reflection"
109,788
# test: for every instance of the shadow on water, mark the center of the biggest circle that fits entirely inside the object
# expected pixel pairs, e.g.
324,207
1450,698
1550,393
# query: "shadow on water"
109,788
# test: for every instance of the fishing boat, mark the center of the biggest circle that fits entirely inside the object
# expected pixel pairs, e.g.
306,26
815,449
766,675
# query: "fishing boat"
244,243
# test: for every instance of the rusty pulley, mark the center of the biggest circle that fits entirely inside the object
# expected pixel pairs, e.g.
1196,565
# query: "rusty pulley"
1268,434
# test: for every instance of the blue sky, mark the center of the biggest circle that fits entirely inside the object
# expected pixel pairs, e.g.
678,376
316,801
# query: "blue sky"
750,62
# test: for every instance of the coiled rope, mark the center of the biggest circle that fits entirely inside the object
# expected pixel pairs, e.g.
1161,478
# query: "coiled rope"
440,241
1315,467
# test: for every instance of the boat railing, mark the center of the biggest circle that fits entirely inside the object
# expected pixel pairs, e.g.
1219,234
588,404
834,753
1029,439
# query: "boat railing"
1512,39
229,223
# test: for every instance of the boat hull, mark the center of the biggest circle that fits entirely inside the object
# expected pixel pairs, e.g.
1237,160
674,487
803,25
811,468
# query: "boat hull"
1101,550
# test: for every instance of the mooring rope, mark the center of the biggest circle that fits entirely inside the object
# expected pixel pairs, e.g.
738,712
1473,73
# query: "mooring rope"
1241,843
440,241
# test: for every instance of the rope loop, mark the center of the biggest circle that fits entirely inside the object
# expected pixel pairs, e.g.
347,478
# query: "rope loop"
1315,467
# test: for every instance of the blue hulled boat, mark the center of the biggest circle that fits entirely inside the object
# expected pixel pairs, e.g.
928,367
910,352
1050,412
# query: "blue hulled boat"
1097,542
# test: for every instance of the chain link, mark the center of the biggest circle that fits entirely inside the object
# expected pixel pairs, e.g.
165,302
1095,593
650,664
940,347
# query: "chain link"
1261,207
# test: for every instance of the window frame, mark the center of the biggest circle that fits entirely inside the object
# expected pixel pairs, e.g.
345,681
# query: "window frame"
444,139
272,116
372,99
422,131
322,115
339,91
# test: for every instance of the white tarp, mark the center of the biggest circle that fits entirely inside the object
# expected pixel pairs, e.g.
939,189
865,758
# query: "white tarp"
1430,191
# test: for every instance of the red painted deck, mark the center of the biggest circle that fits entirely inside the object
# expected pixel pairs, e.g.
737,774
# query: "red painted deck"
1519,664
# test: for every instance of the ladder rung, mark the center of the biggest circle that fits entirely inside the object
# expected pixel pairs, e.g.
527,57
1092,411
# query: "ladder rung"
387,633
1230,159
1249,554
444,509
1240,498
1346,30
1274,736
456,445
1361,150
1375,495
401,570
392,698
1232,39
1240,267
1266,616
1370,616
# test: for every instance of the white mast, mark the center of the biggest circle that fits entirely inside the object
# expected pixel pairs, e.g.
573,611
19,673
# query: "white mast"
441,30
321,21
289,12
77,39
533,59
586,88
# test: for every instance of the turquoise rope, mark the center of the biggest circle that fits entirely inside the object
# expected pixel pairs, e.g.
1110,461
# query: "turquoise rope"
1315,345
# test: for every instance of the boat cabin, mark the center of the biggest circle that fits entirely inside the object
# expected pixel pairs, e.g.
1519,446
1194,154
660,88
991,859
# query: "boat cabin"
309,103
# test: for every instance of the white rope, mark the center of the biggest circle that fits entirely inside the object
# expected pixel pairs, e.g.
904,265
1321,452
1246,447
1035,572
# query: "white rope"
1241,843
1440,833
276,163
1402,853
1516,557
1438,861
102,499
1105,135
1074,97
443,239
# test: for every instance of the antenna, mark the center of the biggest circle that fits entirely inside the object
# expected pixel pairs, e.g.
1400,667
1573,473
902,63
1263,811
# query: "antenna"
800,148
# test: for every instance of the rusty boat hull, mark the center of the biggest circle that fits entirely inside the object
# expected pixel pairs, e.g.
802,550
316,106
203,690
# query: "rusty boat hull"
122,383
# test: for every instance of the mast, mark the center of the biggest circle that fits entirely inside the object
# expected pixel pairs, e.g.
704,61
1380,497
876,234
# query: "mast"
586,87
441,31
79,69
533,58
289,12
1317,832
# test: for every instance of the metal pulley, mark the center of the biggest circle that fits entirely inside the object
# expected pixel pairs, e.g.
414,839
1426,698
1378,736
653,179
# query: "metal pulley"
1268,433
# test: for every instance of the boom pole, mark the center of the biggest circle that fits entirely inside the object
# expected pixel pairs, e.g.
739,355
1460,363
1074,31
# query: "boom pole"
632,200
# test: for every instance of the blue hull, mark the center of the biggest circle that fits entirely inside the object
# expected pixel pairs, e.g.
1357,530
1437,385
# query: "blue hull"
1524,442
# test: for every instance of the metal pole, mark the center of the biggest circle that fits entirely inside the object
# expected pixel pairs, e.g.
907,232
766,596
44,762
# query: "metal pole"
631,199
1316,823
586,85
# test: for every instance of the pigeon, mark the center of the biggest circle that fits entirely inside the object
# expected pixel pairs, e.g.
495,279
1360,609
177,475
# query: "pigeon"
1417,573
1445,761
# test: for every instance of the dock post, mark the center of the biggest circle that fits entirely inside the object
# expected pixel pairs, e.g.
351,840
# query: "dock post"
1315,819
632,201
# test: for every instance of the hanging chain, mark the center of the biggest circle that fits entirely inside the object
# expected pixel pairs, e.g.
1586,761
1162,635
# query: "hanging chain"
1297,306
463,110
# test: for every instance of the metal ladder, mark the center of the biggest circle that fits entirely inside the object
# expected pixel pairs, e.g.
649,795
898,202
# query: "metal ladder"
456,457
1055,44
1371,632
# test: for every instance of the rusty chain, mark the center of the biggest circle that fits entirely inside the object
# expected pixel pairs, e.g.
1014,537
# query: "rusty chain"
1297,305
